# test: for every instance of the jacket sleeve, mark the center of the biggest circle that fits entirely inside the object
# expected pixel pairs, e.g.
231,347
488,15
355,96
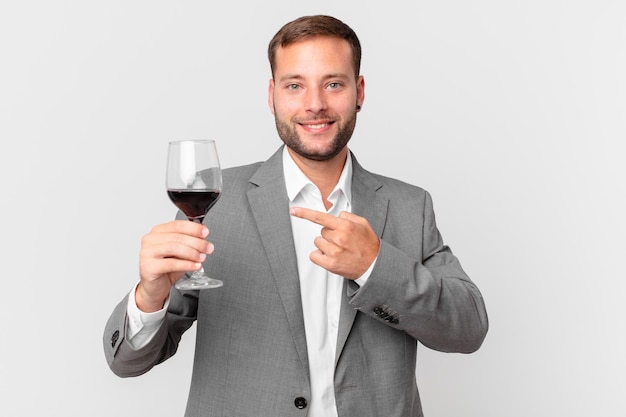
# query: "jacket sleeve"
424,293
125,361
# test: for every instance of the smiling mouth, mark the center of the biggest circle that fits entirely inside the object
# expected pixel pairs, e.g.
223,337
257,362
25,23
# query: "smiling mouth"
316,126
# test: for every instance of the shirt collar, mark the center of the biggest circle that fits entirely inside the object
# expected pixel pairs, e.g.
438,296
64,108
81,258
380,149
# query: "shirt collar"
296,181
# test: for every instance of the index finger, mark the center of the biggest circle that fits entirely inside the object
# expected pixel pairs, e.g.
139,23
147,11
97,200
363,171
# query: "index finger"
323,219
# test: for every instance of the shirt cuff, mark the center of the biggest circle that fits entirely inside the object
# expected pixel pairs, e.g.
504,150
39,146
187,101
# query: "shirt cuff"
142,326
363,278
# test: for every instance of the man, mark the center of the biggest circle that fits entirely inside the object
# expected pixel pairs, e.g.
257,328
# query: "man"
331,274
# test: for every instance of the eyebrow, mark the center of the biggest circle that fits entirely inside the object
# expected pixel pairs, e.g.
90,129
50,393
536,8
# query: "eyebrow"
300,77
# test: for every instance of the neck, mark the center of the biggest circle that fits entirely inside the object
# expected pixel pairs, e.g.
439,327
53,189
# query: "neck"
324,174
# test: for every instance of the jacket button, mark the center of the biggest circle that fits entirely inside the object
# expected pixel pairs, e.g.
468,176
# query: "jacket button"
300,402
115,337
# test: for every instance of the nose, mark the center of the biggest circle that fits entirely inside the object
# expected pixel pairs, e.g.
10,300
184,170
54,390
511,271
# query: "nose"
315,100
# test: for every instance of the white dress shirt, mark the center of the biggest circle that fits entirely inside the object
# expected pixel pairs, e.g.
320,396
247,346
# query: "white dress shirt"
321,290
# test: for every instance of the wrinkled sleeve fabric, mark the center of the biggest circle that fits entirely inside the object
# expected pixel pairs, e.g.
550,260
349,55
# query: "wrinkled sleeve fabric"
124,358
427,295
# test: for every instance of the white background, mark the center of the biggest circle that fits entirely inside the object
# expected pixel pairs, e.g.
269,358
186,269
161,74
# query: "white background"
511,113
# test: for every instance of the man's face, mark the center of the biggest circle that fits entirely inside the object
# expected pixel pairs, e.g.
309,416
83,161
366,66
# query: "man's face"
314,95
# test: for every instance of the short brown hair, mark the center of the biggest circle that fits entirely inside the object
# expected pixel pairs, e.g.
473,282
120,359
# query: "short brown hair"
310,26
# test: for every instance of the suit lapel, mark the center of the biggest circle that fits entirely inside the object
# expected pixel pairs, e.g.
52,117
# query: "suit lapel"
365,203
274,227
270,207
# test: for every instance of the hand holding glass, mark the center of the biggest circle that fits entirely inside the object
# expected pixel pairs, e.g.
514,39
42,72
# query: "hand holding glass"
194,183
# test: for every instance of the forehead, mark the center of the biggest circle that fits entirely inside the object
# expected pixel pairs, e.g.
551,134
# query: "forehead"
317,54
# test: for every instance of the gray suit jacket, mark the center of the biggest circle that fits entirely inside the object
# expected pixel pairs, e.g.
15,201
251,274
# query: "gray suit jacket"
251,355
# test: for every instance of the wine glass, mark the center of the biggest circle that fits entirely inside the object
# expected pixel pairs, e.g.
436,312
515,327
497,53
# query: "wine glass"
194,183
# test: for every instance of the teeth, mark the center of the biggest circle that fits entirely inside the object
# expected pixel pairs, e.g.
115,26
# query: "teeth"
317,126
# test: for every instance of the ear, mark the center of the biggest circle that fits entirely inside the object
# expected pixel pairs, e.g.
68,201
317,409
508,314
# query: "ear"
360,90
270,95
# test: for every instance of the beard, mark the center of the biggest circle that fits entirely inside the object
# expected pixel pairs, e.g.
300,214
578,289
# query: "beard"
292,139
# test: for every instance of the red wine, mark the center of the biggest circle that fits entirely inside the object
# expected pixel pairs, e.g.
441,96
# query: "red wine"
194,203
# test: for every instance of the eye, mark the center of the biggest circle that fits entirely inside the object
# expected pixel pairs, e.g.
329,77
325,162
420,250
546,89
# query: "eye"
334,86
293,87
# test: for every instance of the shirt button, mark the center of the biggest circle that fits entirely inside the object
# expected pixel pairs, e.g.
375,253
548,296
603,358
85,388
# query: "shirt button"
300,402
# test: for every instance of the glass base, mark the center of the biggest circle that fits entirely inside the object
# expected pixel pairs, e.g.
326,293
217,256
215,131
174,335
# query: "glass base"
197,281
